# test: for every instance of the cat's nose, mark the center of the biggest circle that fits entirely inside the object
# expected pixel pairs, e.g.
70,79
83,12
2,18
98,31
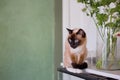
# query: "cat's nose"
73,46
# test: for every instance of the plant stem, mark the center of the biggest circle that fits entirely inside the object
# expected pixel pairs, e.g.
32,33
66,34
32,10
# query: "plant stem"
98,29
95,24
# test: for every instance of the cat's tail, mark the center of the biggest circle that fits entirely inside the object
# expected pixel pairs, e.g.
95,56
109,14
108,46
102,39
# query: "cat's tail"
74,70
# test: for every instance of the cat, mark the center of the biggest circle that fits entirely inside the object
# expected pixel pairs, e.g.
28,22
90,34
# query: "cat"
75,49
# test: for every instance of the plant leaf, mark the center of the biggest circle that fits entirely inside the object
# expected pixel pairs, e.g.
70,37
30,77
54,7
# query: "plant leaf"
84,9
110,24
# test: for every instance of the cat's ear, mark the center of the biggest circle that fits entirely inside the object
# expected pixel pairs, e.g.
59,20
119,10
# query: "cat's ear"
69,30
81,32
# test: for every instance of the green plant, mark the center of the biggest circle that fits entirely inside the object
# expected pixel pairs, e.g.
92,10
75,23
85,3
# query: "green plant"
99,64
106,15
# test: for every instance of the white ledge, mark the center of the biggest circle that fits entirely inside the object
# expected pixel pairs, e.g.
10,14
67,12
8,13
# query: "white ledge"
103,73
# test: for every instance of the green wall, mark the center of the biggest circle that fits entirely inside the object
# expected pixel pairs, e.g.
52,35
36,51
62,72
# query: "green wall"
27,39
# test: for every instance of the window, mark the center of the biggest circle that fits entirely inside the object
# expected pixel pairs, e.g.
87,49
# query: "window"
73,17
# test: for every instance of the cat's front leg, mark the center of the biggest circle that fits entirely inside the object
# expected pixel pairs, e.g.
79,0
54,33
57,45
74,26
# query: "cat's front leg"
73,58
74,61
81,58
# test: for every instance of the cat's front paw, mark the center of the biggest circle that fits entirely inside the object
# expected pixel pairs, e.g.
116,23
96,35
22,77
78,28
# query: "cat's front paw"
74,65
83,65
80,66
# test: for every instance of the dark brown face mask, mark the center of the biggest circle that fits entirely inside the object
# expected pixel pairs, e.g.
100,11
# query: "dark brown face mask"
73,40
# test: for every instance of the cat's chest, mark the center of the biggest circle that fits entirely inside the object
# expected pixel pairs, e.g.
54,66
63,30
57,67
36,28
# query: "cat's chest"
76,51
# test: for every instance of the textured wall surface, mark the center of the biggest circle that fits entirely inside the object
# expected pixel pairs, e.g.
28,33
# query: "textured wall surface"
26,39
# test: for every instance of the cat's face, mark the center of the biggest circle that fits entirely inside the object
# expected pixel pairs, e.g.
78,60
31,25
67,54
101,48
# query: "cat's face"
76,37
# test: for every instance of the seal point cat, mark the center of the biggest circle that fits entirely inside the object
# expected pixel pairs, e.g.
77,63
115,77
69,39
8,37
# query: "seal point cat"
75,49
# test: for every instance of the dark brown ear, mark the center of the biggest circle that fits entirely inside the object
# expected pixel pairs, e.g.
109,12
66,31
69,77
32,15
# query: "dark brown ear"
69,30
81,32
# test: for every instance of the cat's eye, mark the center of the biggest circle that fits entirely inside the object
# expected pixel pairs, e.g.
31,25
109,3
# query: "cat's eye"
76,41
70,40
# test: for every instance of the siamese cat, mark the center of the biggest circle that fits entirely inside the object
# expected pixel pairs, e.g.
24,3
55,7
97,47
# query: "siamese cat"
75,49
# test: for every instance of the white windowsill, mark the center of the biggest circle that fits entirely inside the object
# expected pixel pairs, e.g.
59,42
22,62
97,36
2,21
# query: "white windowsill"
113,73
